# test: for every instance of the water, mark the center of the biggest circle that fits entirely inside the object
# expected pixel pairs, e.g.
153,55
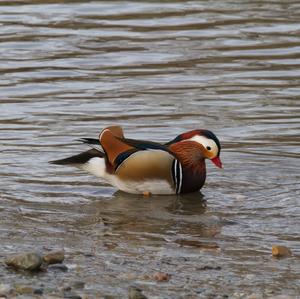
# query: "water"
158,68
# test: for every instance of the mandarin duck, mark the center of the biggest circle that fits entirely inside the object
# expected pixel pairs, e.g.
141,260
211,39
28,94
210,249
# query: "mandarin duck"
138,166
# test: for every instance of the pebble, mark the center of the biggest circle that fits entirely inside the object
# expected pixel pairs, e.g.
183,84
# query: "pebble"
282,297
198,244
54,257
207,267
135,293
5,289
72,296
59,267
161,276
255,296
25,261
23,289
281,251
38,291
78,285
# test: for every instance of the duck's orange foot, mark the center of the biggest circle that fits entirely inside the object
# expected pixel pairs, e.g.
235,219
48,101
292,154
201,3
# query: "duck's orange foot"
147,193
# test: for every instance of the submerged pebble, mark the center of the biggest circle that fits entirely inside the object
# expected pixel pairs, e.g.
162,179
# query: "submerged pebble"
59,267
38,291
25,261
281,251
5,289
24,289
161,276
198,244
135,293
54,257
78,285
72,296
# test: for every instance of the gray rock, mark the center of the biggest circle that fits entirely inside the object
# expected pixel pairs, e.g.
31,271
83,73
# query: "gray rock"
72,296
135,293
59,267
78,285
25,261
5,290
54,257
282,297
38,291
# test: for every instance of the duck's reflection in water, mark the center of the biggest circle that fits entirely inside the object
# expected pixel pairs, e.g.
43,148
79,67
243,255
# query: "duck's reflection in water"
181,219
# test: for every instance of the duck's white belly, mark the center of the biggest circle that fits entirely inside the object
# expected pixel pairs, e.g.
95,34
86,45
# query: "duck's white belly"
140,187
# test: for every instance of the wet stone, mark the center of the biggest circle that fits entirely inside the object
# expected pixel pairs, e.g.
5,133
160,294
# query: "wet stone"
23,289
281,251
72,296
161,276
59,267
198,244
78,285
38,291
135,293
25,261
54,257
5,289
208,267
66,288
255,296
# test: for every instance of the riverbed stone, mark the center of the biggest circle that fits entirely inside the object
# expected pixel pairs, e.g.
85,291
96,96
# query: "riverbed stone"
78,284
255,296
38,291
161,276
281,251
72,296
5,290
54,257
25,261
135,293
59,267
23,289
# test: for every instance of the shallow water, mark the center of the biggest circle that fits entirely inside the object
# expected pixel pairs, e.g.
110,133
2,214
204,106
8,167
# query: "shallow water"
158,68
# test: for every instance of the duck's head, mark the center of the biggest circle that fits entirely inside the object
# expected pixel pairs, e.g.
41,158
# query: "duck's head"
208,142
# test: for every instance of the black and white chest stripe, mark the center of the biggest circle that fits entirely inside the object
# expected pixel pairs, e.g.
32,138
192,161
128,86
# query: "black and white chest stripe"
177,175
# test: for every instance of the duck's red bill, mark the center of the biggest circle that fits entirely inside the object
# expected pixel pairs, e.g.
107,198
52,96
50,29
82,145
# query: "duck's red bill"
217,162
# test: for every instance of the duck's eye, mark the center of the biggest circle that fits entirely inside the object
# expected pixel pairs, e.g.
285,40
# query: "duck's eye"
208,148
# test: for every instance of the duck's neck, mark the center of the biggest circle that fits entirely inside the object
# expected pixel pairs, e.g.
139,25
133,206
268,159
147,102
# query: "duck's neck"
189,153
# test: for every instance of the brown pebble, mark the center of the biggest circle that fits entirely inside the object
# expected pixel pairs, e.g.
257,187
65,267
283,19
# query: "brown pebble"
281,251
161,276
54,257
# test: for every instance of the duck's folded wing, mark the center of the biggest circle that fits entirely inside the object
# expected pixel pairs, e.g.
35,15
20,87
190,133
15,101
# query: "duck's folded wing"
144,165
118,149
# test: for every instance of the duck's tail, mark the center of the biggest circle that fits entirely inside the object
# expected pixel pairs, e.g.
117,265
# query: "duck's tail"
92,161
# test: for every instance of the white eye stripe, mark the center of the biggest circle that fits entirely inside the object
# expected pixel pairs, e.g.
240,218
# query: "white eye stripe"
206,142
